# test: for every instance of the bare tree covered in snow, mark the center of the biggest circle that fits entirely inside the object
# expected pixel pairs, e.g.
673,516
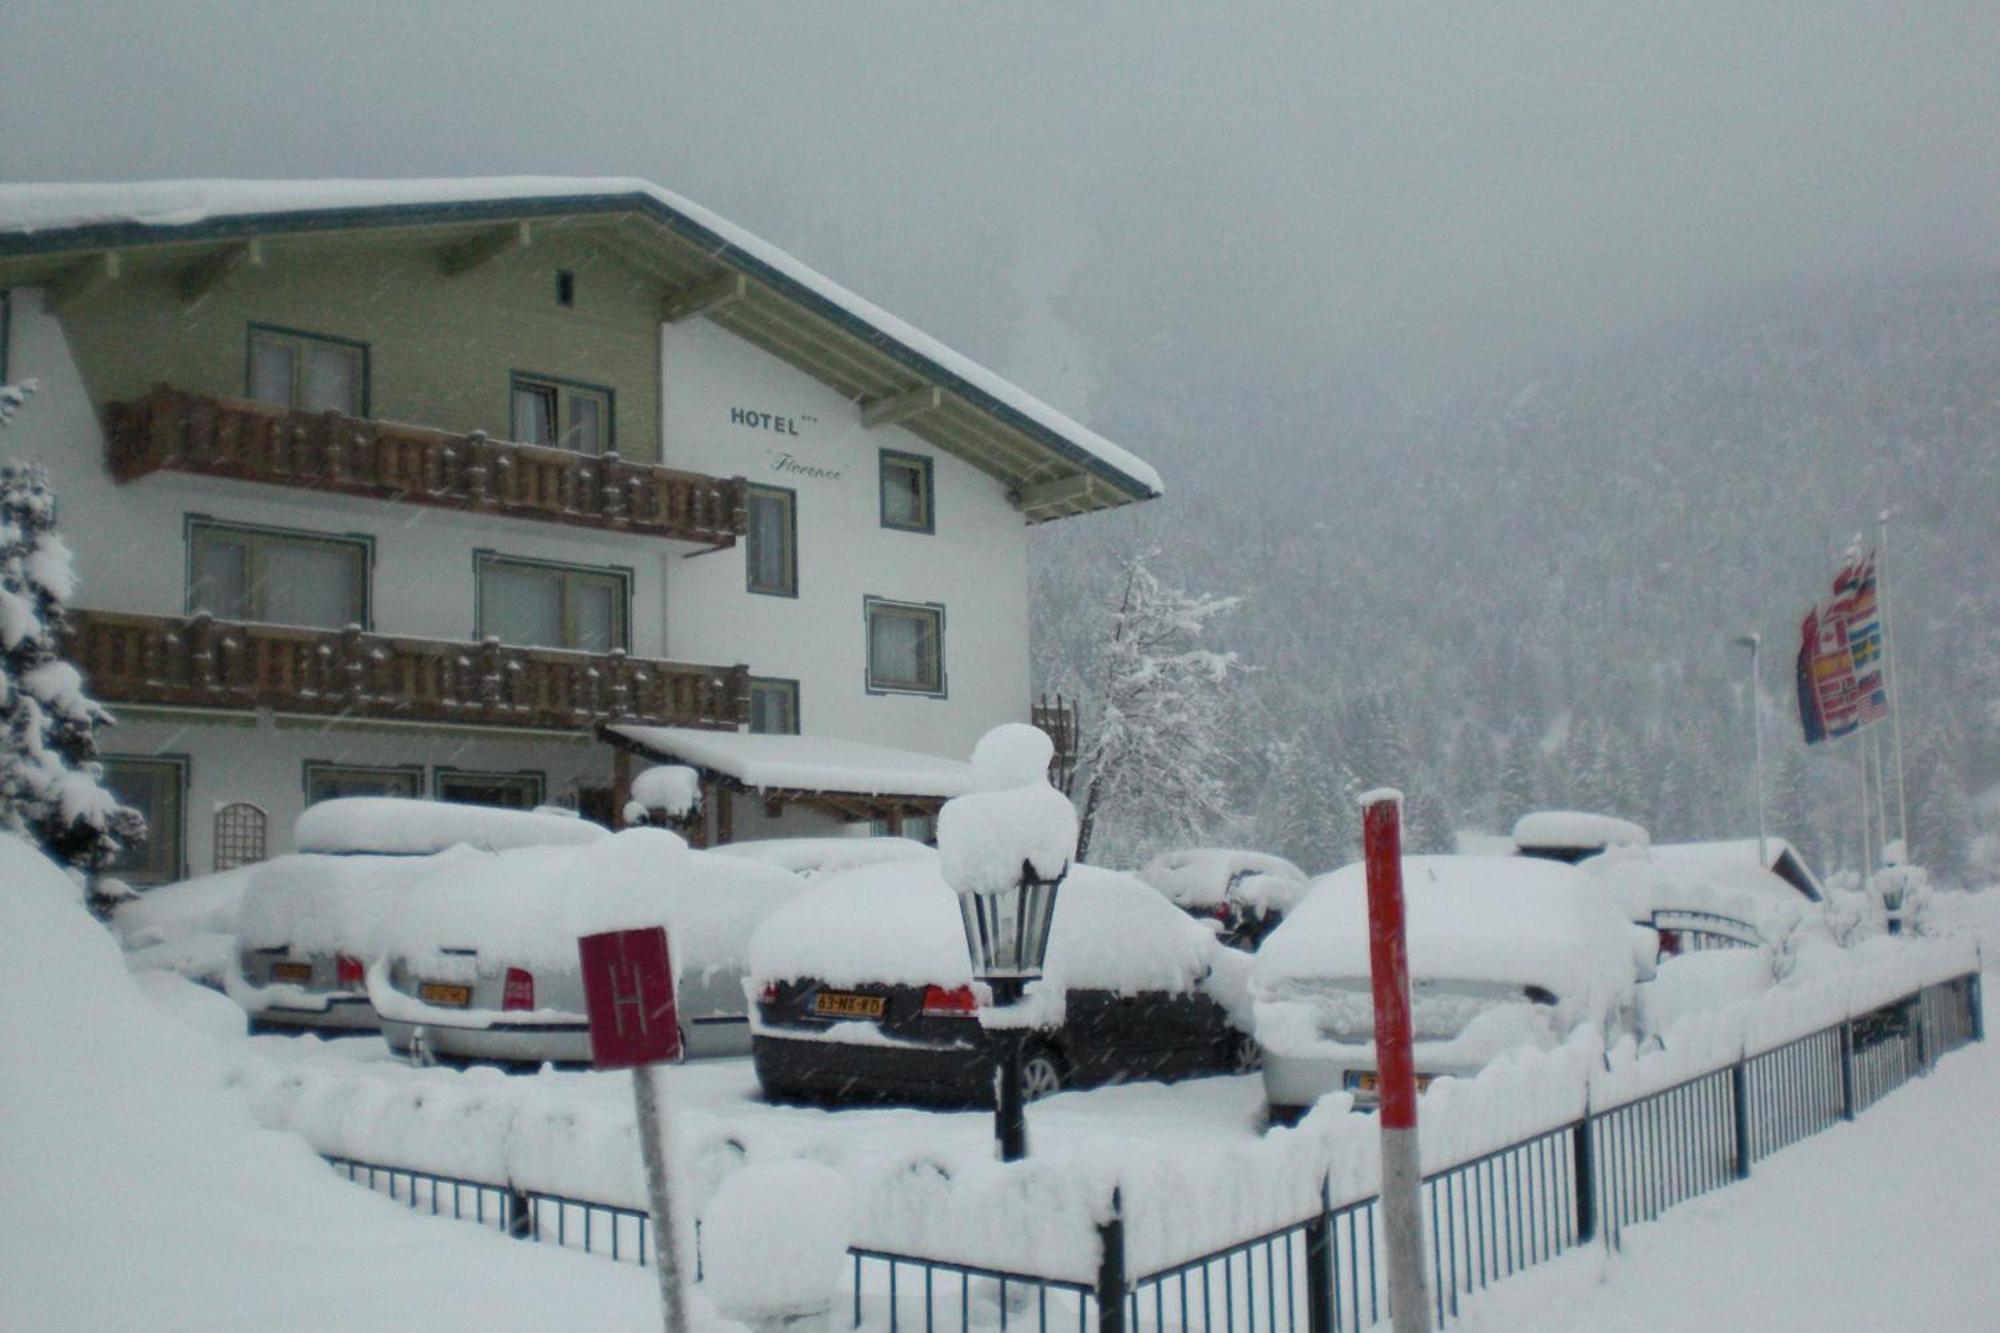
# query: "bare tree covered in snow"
49,778
1156,753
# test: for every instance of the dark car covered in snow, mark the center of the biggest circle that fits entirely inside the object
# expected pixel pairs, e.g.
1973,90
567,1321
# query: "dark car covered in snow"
863,992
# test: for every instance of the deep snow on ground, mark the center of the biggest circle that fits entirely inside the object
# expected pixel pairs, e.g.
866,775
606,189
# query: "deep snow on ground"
140,1193
1886,1223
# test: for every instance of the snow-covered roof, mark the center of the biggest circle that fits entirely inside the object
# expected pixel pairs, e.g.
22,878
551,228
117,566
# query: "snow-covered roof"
408,826
36,219
803,763
1736,860
1575,829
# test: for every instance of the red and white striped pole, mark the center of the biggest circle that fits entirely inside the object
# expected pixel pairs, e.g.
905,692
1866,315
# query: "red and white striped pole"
1395,1066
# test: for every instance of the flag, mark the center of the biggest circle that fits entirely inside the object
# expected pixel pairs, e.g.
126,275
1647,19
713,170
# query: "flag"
1840,679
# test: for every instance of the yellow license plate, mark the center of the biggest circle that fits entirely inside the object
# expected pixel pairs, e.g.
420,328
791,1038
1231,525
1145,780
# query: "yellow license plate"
1373,1082
297,973
839,1004
446,994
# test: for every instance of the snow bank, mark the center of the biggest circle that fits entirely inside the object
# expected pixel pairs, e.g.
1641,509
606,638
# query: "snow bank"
900,925
399,826
329,904
674,788
1198,877
188,928
141,1193
776,1237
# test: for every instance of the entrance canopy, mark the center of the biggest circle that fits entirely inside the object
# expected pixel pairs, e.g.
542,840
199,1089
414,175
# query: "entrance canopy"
849,780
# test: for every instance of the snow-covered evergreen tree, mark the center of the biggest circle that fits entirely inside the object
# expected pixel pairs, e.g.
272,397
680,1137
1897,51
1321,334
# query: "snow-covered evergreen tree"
49,778
1155,751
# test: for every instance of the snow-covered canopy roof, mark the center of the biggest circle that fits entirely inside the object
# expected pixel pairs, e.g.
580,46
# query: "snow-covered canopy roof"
706,265
1729,860
1547,831
800,763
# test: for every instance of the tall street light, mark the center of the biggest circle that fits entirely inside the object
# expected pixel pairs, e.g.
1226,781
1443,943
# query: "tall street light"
1005,848
1755,643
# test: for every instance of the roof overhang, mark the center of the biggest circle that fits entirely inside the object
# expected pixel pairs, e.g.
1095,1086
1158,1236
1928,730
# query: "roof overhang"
706,268
855,778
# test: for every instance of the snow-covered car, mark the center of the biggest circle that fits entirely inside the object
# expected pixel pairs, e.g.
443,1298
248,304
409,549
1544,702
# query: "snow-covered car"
480,957
1505,953
815,858
1246,894
865,992
310,923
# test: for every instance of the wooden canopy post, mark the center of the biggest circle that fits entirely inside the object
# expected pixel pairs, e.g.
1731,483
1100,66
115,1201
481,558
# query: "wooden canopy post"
621,784
725,815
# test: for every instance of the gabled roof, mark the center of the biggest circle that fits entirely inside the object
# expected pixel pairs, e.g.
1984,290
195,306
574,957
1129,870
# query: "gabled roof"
1780,858
708,266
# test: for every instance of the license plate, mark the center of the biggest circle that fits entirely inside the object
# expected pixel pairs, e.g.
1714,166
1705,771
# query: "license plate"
1373,1082
840,1004
296,973
446,994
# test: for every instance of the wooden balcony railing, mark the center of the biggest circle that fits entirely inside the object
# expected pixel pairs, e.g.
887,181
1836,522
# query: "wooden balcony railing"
199,662
227,437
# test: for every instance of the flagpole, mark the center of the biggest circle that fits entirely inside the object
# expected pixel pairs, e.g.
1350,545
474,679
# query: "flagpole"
1892,672
1867,817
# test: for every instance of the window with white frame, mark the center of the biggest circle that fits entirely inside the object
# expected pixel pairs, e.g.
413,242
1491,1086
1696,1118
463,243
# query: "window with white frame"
536,604
774,706
308,371
906,492
155,786
905,647
561,414
277,576
771,542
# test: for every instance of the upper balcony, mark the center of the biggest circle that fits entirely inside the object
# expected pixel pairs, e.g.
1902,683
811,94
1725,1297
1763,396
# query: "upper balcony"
199,662
172,431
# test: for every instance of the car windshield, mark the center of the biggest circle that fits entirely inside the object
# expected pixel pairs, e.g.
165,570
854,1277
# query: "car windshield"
1439,1008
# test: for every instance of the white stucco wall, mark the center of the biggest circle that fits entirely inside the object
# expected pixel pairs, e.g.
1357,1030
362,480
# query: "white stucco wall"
974,564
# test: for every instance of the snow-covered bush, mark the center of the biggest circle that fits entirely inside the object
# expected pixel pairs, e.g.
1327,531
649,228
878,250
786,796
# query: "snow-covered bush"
49,778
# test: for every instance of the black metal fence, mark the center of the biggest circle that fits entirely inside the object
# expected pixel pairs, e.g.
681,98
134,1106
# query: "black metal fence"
1488,1218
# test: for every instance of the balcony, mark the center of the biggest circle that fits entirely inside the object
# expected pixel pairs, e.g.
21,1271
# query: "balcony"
171,431
199,662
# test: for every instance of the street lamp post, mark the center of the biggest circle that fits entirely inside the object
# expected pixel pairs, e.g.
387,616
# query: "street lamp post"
1755,643
1005,847
1007,935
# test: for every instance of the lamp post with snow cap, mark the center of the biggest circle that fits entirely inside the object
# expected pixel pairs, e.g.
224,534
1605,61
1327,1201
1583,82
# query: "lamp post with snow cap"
1005,848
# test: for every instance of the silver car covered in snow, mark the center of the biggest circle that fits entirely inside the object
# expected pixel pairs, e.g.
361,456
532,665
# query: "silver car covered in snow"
481,960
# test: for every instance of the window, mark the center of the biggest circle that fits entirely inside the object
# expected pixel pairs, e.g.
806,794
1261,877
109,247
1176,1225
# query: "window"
155,786
277,576
906,492
326,782
774,706
771,545
510,791
905,647
562,414
538,605
241,833
308,371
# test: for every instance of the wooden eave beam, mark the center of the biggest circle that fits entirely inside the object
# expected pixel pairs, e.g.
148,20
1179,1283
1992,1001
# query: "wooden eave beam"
462,257
81,279
705,297
203,276
904,406
1080,490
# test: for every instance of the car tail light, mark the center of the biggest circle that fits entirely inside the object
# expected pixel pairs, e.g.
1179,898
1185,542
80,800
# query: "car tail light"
348,971
768,995
958,1002
1670,943
520,992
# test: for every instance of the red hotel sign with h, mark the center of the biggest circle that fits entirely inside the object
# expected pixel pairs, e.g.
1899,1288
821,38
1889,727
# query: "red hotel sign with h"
628,988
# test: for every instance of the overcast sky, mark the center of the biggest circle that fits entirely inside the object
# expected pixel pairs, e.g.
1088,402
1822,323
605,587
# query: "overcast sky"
1058,193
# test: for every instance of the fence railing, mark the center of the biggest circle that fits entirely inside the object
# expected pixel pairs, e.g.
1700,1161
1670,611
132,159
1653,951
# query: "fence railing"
1488,1217
170,430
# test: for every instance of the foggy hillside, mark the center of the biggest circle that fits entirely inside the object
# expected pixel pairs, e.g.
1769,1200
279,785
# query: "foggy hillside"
1521,593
